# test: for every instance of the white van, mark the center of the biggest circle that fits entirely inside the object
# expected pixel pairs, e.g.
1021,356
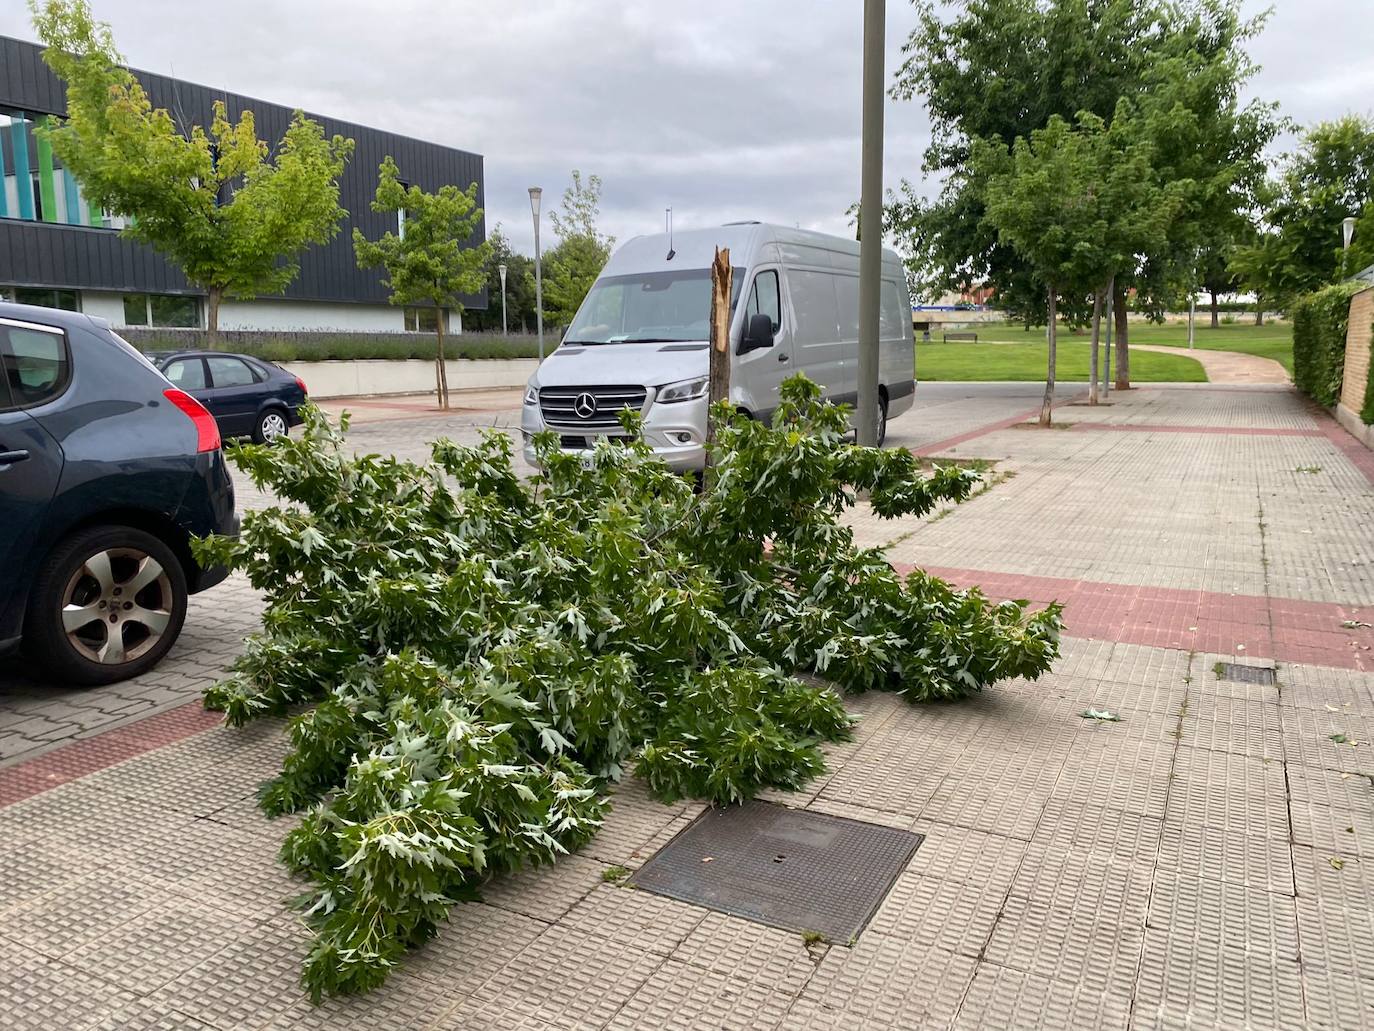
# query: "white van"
640,337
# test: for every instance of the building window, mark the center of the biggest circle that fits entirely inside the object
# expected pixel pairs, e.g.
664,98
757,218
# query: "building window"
422,320
174,311
67,300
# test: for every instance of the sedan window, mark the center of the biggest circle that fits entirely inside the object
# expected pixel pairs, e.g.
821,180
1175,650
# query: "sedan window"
230,372
188,374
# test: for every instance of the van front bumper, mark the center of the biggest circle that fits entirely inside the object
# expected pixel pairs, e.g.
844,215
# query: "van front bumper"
676,434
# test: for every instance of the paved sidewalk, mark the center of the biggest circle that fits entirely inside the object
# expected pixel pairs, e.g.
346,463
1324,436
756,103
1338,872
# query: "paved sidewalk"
1199,864
1227,366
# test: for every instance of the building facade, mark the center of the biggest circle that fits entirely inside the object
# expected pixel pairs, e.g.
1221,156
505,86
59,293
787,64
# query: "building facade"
60,251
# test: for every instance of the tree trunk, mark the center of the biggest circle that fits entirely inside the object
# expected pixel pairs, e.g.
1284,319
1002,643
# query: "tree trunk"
1216,322
718,385
1092,360
1047,406
1123,351
440,372
1259,310
212,301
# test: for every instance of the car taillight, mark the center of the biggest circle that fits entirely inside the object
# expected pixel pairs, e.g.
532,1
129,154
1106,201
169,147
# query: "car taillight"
207,431
301,383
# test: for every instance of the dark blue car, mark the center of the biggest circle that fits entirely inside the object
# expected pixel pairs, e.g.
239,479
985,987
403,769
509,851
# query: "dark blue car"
247,396
106,472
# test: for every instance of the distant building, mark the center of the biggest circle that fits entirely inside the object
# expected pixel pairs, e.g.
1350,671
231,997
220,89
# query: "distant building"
56,250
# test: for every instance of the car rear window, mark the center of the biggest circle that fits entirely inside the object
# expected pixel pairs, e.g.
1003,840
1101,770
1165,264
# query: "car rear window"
35,363
187,373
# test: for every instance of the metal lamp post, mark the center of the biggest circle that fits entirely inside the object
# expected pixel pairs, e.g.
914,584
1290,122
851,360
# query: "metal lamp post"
535,194
502,269
871,221
1347,234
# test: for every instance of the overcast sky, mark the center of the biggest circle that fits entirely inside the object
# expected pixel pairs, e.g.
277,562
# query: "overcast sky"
722,110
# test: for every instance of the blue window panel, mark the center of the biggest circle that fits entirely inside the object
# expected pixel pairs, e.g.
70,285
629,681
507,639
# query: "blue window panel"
73,201
19,137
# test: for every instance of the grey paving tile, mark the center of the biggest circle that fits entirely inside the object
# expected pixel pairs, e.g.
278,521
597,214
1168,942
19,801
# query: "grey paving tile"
1213,910
683,997
1001,997
1064,943
887,981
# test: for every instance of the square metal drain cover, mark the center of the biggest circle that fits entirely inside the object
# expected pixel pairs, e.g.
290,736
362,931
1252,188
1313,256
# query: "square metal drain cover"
1245,674
789,868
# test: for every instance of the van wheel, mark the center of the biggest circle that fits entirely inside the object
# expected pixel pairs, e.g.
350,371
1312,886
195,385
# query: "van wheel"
107,605
881,435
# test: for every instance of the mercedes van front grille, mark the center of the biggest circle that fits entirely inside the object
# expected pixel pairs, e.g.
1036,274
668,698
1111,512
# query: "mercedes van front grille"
588,409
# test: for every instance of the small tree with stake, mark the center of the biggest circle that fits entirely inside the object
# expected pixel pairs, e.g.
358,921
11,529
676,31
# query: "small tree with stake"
429,259
232,217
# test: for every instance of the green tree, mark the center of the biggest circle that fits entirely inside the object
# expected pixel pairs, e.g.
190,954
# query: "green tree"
999,69
572,266
216,204
1328,178
519,288
432,258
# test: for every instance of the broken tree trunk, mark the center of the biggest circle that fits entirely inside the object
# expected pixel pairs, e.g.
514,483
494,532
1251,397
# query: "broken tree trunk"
718,384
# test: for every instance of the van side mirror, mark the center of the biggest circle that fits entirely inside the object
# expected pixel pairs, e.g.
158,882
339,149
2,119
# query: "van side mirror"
758,332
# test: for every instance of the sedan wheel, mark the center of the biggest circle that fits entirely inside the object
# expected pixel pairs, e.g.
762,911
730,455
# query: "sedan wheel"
271,425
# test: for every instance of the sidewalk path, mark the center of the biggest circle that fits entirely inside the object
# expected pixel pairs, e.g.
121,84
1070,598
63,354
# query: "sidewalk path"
1206,862
1227,366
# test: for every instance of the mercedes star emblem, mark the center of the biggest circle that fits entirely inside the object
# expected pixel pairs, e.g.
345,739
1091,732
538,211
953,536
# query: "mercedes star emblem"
584,405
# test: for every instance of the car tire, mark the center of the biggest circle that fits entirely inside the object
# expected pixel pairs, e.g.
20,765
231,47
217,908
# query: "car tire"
107,605
272,425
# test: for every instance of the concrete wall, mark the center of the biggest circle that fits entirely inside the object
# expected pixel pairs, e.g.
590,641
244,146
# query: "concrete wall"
1357,358
379,377
311,315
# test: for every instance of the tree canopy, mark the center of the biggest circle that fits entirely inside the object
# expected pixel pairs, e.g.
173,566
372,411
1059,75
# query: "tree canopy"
217,203
572,266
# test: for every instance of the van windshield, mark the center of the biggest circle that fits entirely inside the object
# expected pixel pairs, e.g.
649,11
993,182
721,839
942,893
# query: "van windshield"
650,307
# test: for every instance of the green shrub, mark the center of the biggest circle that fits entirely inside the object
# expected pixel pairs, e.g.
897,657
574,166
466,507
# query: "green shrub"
321,347
1320,320
483,653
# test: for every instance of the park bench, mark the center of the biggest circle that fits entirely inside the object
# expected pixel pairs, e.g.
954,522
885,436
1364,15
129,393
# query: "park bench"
971,338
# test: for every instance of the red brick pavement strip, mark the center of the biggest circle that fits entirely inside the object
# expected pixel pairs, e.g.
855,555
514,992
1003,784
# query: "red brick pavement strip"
981,431
88,755
1247,431
1285,629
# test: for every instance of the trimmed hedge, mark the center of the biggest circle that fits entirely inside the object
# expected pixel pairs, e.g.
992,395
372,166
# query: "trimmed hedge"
319,347
1320,320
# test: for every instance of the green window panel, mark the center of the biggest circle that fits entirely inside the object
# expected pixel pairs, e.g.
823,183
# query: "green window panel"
47,190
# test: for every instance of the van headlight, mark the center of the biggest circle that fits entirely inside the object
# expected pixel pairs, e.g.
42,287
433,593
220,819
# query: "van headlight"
683,390
531,395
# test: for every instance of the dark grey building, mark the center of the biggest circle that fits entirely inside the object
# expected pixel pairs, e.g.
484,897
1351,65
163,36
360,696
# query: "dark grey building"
56,249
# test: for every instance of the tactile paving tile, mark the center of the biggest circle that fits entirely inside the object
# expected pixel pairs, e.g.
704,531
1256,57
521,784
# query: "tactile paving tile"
1068,944
32,868
633,821
1196,800
894,780
1337,937
1210,851
1072,824
1213,910
1001,997
1337,1000
809,1015
37,993
789,868
1307,737
1232,725
957,916
1346,830
545,892
1218,985
1109,886
1134,776
142,1017
403,1001
1012,812
640,919
682,997
766,956
566,978
60,921
463,955
890,982
962,854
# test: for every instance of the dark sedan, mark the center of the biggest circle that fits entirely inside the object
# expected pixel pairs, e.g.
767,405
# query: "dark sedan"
106,473
248,397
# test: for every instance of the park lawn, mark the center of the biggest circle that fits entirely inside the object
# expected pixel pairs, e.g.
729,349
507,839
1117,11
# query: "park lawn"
1272,340
1026,361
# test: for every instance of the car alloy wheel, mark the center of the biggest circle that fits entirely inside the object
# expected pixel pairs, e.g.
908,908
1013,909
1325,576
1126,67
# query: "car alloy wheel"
116,606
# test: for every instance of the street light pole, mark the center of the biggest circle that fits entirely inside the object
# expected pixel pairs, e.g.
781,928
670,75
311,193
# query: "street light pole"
535,194
1347,234
502,269
871,221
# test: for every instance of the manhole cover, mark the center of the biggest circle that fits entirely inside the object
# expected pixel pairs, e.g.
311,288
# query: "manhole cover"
785,867
1245,674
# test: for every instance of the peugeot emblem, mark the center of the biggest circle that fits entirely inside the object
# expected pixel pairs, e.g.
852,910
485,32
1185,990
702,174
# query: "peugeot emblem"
584,405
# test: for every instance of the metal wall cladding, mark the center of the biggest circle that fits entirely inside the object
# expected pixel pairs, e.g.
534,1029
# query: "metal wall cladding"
57,255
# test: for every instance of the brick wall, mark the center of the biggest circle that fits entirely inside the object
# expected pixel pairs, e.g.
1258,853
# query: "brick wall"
1357,346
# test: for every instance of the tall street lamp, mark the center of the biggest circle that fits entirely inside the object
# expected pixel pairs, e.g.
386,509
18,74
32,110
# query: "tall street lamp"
535,194
871,222
1347,234
502,269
